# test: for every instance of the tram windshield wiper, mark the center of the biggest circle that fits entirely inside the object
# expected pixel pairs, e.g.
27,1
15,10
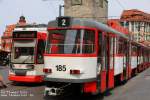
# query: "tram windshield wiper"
30,56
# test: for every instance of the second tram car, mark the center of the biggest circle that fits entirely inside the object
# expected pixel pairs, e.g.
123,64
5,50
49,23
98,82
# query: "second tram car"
88,54
28,45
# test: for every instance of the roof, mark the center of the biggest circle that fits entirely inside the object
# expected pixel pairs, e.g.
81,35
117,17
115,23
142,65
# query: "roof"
31,25
135,15
89,23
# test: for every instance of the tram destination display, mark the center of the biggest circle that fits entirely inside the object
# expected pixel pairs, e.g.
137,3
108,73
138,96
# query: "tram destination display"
25,34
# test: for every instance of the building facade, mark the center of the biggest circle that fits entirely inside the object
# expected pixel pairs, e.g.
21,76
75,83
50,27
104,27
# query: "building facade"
6,39
91,9
138,23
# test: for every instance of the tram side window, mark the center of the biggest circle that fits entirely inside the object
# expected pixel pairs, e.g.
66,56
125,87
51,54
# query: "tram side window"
120,46
100,50
142,58
40,51
145,56
148,54
112,43
88,41
139,54
105,51
134,50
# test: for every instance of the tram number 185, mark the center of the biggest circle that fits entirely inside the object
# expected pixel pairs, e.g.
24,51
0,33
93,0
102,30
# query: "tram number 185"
61,67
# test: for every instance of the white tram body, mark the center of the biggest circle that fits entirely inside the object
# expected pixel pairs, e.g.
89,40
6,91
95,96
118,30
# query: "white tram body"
28,45
118,68
86,53
134,62
85,65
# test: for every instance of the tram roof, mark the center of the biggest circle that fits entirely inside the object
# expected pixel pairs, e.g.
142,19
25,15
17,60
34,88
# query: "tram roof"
90,23
31,26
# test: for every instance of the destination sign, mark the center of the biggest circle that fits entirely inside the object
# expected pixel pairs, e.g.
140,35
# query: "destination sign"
25,34
63,21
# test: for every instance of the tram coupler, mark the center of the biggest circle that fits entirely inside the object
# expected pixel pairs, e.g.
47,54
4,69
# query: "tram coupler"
52,91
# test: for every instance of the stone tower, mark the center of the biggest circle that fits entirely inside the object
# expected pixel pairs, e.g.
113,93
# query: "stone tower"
91,9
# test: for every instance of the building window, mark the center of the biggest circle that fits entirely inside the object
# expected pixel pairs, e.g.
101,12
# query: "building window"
100,3
76,2
125,24
136,27
132,25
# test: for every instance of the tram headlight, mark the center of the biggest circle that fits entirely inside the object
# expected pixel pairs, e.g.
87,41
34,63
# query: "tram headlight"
30,66
75,71
45,70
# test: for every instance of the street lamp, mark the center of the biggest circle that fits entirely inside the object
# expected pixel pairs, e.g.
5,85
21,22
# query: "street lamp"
60,9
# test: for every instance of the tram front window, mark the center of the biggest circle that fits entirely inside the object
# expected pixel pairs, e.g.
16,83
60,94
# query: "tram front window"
23,53
71,42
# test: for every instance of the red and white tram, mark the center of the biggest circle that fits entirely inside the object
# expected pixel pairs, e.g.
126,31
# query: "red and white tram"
87,54
27,61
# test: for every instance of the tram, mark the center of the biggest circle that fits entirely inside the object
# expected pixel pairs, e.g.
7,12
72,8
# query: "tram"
28,45
89,55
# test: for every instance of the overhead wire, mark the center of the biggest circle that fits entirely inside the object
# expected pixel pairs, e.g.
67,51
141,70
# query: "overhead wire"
120,4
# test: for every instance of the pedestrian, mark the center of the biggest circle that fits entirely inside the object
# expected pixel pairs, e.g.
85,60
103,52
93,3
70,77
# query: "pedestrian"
2,84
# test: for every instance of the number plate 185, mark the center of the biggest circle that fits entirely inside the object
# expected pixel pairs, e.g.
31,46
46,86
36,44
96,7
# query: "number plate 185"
61,67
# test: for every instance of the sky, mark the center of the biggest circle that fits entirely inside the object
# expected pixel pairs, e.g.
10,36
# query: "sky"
42,11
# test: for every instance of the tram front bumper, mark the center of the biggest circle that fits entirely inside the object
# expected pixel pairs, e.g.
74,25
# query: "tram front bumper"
30,79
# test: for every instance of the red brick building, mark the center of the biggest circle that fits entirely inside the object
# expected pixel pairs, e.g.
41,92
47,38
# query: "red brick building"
138,23
6,39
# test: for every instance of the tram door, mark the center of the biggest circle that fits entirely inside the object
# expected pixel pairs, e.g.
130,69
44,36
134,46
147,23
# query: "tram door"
139,56
110,61
124,63
122,51
102,70
126,59
105,59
